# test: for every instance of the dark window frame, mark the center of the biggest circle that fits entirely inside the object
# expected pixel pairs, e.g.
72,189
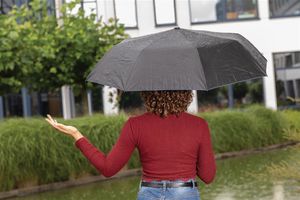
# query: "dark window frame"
54,8
284,16
17,3
165,24
1,7
282,52
136,16
289,106
279,16
90,1
224,21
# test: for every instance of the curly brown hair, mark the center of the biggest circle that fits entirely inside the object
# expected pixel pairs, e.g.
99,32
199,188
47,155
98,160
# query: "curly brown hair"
166,102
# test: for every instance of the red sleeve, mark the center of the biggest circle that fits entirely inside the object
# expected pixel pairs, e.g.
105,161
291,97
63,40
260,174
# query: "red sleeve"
206,165
118,156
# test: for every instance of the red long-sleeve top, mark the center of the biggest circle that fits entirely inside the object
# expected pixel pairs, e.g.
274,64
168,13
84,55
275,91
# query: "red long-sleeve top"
169,148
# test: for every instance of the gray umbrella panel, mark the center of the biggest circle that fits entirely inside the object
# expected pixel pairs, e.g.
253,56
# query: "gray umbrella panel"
231,55
179,59
115,66
261,60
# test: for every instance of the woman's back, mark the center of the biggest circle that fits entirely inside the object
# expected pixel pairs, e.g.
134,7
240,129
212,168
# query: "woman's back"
170,148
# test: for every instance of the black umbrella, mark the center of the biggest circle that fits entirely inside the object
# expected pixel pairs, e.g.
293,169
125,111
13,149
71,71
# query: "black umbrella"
179,59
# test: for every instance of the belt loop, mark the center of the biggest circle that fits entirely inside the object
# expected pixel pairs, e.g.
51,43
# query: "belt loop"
193,182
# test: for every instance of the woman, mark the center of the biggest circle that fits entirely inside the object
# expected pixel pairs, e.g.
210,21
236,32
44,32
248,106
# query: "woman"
174,146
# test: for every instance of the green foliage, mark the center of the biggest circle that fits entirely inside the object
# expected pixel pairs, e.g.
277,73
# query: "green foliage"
26,41
30,149
283,169
240,90
42,52
81,42
293,118
271,123
256,91
254,126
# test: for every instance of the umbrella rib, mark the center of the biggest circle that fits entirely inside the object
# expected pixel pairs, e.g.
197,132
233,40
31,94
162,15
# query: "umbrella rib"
238,81
197,56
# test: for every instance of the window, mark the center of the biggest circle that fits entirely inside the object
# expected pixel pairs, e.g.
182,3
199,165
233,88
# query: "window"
6,5
75,10
126,12
51,7
284,8
90,7
164,12
222,10
287,76
287,60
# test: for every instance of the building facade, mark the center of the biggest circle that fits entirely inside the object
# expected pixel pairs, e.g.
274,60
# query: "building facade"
273,26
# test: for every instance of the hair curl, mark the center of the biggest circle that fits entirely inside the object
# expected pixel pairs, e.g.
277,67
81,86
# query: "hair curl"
166,102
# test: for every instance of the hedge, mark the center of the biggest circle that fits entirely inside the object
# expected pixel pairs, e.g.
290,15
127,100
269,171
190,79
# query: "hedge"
33,151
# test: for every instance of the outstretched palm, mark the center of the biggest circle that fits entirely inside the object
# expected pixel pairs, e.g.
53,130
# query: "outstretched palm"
68,130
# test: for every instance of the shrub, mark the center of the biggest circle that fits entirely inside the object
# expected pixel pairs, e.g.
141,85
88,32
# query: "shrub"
31,150
254,126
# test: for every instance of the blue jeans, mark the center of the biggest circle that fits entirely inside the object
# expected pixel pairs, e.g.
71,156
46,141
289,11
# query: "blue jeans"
168,193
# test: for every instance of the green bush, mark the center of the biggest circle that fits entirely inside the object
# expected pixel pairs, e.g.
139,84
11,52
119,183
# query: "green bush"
254,126
285,169
293,118
31,150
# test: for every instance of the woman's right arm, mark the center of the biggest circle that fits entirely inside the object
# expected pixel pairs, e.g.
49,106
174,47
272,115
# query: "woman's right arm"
206,165
108,165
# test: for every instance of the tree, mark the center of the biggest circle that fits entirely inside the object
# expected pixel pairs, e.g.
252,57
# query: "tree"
37,52
81,43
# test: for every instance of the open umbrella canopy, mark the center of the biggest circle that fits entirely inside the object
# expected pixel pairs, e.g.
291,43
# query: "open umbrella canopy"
179,59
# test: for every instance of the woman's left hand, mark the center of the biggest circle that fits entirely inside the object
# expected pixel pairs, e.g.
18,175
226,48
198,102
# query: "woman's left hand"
68,130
